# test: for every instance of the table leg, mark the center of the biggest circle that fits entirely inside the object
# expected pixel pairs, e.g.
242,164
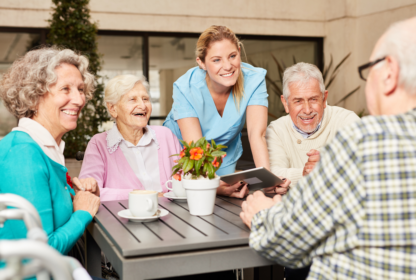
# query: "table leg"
273,272
93,263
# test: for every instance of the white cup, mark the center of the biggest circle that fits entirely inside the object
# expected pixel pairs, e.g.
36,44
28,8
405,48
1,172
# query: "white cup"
177,188
143,203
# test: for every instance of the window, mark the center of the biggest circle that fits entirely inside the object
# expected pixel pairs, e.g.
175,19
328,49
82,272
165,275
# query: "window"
164,58
169,58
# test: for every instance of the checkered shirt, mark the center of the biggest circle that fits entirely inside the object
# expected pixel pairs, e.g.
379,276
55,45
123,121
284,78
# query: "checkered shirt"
354,216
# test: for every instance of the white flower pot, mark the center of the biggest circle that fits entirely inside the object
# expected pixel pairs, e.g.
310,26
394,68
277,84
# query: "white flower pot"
201,195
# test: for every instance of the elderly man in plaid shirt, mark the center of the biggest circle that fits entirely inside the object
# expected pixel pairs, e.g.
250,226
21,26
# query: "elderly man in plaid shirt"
354,216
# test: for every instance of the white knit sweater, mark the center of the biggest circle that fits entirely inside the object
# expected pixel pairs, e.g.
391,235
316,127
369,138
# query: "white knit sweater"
287,147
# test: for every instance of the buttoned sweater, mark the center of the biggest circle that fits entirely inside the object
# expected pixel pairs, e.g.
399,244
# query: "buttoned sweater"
287,148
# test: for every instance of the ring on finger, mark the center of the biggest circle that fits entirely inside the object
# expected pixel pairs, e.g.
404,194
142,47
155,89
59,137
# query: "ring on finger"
82,189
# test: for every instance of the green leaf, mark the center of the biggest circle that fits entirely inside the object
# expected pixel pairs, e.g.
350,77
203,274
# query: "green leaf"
327,69
342,62
204,169
184,144
218,153
348,95
175,171
188,166
185,163
219,166
210,158
200,142
182,160
220,147
213,144
198,164
192,145
177,155
211,170
176,166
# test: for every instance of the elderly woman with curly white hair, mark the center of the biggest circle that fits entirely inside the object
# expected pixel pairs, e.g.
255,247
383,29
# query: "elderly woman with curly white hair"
132,154
46,90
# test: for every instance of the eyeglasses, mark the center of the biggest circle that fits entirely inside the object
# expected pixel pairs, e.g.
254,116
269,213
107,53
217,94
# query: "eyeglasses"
364,70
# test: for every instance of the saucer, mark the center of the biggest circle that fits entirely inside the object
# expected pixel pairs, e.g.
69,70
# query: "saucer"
172,195
127,214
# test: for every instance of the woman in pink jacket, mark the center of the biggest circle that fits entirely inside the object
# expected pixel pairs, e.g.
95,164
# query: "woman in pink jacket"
131,155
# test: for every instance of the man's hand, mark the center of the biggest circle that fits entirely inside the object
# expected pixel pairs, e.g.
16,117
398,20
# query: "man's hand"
279,189
254,204
313,159
87,184
238,190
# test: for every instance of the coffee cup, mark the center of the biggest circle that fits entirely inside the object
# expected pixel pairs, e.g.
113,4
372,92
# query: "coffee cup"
177,188
143,203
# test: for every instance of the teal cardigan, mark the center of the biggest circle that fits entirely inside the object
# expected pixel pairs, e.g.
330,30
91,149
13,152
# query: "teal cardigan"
27,171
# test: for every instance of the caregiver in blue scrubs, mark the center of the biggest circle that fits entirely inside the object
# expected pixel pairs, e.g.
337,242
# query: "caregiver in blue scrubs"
215,99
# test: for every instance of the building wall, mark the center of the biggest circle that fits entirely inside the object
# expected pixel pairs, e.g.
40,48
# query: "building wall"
347,25
354,26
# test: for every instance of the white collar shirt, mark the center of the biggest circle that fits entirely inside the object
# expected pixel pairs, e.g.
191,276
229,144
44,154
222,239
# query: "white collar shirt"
143,158
43,138
304,134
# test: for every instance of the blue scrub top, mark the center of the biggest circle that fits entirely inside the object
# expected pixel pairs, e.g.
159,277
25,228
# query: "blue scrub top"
191,98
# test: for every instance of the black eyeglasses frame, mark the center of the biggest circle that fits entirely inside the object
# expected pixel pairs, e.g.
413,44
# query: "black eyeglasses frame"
367,65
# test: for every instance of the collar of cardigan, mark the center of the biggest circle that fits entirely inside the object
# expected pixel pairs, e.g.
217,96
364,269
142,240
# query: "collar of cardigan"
114,138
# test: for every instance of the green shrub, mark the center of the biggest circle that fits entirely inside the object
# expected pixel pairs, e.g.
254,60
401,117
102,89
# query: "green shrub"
70,27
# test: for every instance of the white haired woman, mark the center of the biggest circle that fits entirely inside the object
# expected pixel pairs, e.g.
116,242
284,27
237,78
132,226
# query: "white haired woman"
131,155
46,90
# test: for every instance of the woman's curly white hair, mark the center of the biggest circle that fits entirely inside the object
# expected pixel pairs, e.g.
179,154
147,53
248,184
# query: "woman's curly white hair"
30,77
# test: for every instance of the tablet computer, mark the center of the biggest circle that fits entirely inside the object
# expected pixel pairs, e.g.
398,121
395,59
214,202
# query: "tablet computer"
256,178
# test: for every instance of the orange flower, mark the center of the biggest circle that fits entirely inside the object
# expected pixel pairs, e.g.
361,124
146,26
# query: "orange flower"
215,163
196,153
177,177
182,154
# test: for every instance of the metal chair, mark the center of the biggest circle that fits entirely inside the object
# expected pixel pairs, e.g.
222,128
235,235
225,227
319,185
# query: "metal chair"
45,261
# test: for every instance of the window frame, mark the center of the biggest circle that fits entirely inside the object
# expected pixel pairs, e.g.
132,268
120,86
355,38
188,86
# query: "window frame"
319,51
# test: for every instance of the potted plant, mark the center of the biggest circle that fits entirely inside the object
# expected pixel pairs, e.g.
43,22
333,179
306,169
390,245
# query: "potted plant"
196,169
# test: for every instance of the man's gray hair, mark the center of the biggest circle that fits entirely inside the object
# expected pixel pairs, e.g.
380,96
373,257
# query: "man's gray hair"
301,73
400,42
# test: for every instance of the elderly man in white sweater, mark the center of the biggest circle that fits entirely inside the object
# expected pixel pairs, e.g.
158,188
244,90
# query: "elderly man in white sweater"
294,140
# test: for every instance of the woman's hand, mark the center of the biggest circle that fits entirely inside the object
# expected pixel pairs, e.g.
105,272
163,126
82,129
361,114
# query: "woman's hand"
279,189
87,184
86,201
239,190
